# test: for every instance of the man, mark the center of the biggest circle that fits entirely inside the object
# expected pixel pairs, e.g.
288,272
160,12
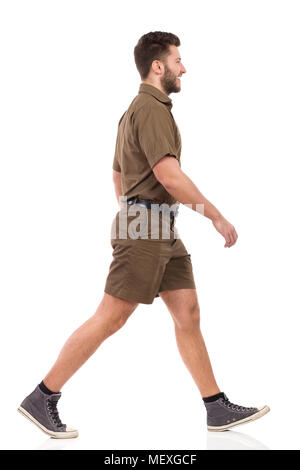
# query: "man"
147,173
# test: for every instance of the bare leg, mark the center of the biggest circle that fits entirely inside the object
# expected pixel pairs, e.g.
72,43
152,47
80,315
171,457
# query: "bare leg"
184,308
109,317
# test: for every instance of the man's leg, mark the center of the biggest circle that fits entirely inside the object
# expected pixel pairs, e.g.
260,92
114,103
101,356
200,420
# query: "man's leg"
40,406
109,317
221,413
184,308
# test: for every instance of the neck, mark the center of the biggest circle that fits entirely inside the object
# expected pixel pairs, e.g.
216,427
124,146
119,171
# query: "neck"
156,85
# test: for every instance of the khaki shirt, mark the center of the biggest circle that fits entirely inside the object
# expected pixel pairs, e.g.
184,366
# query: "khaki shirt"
147,132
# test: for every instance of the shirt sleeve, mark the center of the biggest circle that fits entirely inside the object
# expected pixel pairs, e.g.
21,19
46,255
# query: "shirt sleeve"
116,165
155,132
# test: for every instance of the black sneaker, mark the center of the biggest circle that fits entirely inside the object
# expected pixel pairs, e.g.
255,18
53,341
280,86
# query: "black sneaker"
41,409
223,415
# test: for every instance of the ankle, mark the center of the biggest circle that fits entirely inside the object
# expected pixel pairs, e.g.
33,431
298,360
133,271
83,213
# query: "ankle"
46,389
211,398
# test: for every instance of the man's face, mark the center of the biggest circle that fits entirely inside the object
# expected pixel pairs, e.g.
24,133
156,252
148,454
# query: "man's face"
173,69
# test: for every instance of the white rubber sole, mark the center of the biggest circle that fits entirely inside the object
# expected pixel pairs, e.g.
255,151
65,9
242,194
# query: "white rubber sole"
262,411
69,434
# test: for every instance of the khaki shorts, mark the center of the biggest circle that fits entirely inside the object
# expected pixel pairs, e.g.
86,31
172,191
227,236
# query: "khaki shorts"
141,268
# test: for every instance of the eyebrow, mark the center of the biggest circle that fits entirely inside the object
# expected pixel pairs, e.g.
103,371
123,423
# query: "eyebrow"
178,58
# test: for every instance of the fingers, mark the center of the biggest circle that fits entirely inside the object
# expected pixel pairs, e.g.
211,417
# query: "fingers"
227,230
231,238
228,241
235,235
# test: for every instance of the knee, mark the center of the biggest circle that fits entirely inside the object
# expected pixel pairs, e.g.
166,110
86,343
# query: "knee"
113,313
118,320
121,319
188,320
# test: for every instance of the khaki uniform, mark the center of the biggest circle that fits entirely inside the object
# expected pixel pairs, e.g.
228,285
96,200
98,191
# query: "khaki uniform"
147,132
143,267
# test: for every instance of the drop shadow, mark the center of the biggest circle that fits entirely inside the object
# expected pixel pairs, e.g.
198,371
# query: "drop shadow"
232,440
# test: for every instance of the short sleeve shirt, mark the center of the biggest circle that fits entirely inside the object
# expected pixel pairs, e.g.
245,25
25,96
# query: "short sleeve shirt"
147,132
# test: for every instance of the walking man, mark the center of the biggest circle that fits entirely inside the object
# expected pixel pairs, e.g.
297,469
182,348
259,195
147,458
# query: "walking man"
149,258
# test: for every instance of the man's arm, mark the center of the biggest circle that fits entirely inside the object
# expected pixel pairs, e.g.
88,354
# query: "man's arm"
168,172
117,184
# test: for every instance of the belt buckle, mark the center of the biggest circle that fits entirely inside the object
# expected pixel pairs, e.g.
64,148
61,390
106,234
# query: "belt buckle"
131,200
137,201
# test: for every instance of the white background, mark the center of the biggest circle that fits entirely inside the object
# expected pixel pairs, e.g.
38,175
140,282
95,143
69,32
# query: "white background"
67,76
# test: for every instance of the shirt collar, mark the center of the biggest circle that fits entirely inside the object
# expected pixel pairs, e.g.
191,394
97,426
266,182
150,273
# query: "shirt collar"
159,95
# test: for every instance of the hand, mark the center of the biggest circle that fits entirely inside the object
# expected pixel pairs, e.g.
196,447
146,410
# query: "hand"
226,230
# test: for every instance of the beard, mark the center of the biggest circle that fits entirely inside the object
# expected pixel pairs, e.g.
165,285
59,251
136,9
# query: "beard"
169,81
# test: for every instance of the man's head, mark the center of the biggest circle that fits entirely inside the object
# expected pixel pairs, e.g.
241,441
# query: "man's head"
158,61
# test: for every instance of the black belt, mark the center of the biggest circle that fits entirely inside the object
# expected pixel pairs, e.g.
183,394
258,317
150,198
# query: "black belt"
148,203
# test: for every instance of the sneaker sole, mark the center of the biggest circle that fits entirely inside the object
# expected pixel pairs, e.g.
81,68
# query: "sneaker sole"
55,435
262,412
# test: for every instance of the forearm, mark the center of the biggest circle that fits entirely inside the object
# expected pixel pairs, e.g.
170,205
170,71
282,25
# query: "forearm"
182,188
118,192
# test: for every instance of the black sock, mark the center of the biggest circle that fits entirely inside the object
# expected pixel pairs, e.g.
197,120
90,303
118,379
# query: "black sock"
45,389
214,397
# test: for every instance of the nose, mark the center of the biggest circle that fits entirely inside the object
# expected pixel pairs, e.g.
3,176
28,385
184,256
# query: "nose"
183,70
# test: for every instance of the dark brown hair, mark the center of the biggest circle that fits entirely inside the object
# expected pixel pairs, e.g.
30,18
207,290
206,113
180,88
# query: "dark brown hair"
153,46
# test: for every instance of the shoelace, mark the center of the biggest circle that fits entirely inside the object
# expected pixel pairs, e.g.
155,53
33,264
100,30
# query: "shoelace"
234,407
52,407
